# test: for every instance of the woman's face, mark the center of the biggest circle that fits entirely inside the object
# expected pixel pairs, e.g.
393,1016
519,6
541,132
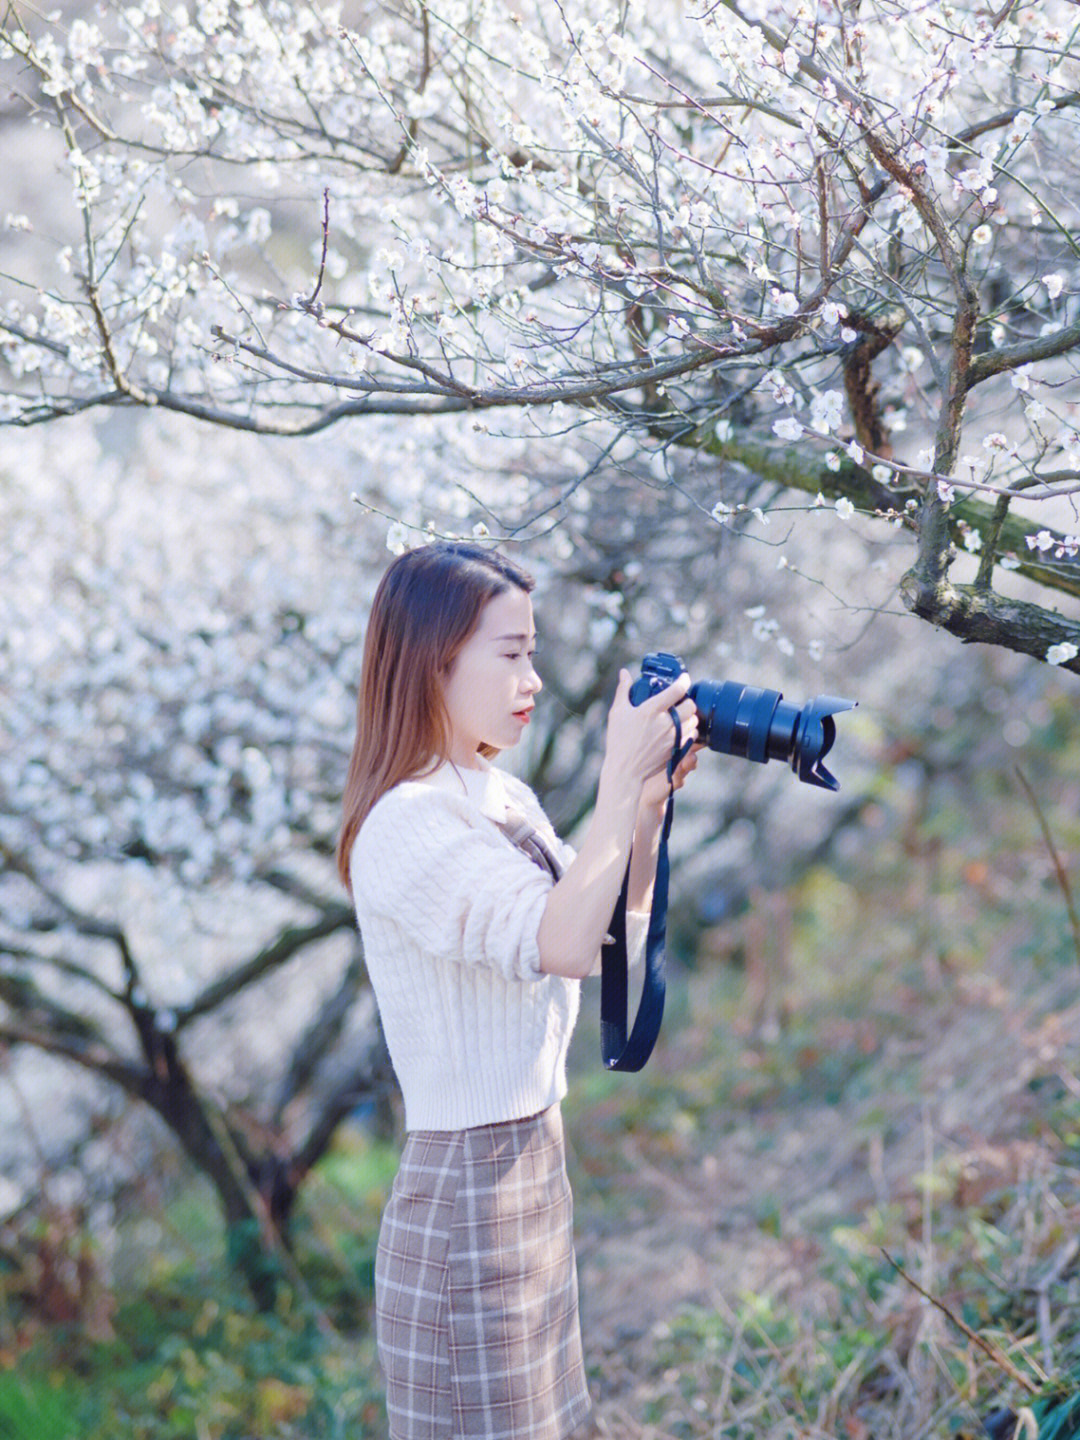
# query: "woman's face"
490,687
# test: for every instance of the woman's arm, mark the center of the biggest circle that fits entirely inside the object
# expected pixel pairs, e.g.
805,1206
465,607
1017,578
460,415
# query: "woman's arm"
650,822
579,908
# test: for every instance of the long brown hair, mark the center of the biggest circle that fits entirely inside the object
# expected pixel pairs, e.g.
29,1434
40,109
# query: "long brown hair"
427,605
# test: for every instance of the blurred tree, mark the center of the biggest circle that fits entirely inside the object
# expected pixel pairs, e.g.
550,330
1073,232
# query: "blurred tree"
176,699
830,244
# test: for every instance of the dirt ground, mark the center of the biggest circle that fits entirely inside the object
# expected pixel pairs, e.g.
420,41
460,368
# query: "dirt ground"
691,1208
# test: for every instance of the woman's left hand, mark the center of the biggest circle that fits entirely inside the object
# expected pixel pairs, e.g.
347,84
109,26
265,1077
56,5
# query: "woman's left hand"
654,793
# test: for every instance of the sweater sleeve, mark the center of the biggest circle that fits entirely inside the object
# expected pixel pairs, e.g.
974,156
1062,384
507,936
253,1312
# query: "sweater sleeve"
449,878
637,922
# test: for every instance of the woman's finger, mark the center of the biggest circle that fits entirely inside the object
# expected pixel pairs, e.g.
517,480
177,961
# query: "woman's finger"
687,716
684,769
670,695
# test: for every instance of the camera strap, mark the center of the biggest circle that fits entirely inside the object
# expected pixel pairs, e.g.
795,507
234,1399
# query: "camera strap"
620,1051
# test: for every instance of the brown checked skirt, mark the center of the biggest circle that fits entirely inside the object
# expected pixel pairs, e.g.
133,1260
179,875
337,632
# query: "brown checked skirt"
476,1300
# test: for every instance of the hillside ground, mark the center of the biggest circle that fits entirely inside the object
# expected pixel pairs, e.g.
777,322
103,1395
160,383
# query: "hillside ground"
841,1202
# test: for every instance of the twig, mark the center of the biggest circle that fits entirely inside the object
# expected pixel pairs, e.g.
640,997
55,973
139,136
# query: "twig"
1062,1261
1059,868
986,1346
312,303
28,1125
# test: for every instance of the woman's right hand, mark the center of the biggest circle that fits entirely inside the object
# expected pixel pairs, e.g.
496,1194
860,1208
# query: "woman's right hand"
640,741
640,738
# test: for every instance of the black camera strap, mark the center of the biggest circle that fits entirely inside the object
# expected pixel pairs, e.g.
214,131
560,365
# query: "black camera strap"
619,1051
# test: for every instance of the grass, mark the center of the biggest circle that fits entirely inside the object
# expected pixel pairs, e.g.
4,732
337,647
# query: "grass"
34,1408
185,1353
737,1204
746,1197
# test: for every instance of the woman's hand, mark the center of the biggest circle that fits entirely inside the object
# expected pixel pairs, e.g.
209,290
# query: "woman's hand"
656,789
640,738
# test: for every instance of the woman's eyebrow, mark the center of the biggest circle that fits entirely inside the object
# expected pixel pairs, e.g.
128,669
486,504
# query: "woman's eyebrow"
520,639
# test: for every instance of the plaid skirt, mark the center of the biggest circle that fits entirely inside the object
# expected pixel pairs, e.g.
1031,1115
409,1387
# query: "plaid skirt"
476,1300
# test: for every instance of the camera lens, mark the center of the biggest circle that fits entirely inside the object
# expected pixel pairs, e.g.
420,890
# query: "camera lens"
737,718
759,725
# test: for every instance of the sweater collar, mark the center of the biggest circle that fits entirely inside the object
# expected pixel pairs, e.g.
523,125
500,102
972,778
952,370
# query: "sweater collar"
484,786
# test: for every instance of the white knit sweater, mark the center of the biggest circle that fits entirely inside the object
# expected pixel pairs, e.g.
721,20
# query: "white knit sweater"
449,911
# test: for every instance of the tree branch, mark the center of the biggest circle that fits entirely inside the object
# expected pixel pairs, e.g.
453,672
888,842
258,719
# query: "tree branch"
321,1036
68,968
1060,871
852,482
975,614
91,1055
994,1353
288,943
1027,352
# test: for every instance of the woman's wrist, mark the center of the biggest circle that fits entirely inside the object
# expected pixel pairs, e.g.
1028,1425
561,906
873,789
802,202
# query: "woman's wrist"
617,790
650,814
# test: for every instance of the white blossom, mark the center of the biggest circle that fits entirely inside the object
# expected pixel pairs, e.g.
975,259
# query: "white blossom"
784,302
826,409
911,358
780,387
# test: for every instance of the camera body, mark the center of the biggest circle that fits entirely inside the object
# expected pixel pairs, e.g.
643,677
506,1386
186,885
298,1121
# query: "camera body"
754,724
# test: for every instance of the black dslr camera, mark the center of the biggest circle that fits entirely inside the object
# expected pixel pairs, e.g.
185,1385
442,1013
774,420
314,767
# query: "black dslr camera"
753,724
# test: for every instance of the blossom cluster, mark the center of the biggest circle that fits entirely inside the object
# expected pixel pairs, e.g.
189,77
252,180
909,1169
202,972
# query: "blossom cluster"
281,214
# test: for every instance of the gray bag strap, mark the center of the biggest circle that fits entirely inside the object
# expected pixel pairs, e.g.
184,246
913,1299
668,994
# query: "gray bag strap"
520,833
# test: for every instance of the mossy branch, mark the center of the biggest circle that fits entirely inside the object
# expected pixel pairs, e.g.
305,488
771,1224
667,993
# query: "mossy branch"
800,471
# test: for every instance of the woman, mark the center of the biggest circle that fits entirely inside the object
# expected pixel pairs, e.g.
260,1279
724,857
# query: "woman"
478,925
